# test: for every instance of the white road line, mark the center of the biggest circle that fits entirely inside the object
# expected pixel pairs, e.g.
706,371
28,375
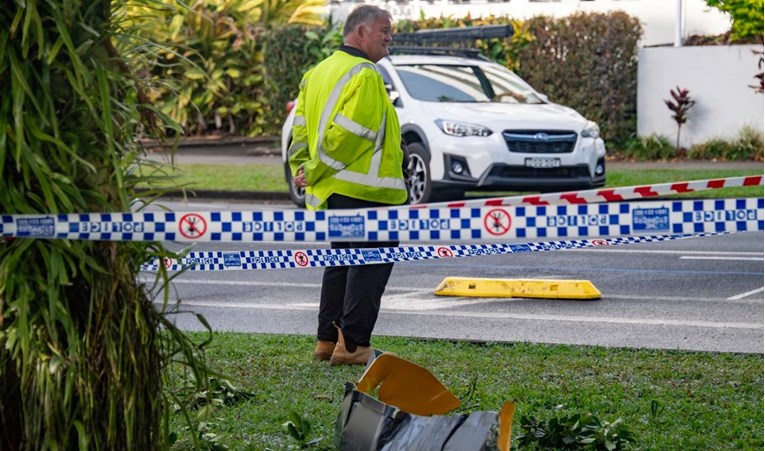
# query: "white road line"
694,257
747,294
490,315
402,292
668,299
597,319
648,251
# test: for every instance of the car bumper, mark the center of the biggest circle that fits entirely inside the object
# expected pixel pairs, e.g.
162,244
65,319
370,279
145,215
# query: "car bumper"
520,178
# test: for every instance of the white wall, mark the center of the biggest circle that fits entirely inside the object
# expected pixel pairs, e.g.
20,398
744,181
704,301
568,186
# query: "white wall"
718,79
656,16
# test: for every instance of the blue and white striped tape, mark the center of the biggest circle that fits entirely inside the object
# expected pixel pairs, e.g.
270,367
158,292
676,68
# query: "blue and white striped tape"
316,258
487,223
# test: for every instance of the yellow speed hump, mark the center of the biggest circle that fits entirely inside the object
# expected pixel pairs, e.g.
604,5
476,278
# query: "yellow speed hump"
518,288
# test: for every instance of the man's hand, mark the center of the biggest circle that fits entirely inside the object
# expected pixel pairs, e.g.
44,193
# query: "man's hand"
299,181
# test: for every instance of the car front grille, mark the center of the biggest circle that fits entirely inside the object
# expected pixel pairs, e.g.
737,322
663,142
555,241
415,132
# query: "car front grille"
515,172
540,141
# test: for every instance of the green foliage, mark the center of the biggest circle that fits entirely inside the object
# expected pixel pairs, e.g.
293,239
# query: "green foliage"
714,149
299,428
290,51
282,12
746,16
206,438
587,62
647,148
748,145
82,346
217,393
206,63
575,431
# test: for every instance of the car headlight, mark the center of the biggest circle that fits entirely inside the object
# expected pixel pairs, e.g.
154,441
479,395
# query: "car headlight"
591,130
454,128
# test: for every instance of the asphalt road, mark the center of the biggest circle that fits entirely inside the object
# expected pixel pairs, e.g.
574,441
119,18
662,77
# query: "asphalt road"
702,294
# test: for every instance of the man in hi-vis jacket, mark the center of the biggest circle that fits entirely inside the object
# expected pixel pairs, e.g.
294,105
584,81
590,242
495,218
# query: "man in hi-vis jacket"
346,151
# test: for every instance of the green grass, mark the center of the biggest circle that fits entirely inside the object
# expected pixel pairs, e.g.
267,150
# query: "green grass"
704,400
229,177
258,177
654,176
701,400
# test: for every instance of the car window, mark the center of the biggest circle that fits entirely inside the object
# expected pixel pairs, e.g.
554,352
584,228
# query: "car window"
436,83
508,87
458,83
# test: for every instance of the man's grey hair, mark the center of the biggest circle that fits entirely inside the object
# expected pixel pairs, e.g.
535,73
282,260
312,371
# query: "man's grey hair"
363,14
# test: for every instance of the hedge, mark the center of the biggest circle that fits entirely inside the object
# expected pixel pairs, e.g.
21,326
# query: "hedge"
584,61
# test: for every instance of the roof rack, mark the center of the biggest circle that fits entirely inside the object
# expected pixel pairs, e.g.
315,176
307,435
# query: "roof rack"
464,52
424,37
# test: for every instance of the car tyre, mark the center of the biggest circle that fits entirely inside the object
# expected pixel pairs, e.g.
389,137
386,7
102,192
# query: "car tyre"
297,195
419,185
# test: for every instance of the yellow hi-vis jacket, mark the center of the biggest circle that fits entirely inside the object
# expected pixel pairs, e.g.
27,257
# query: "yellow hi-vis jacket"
346,134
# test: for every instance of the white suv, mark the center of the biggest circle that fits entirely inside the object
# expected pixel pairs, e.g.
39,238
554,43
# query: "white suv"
473,125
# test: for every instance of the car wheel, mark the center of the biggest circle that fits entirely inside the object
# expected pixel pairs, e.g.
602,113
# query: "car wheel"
419,185
297,195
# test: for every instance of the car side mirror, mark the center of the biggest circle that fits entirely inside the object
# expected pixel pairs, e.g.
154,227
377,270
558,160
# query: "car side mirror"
543,97
393,95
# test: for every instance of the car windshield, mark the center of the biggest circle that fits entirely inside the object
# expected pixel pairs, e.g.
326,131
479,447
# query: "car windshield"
455,83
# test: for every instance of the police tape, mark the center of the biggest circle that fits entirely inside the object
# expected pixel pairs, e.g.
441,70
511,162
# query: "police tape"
444,223
317,258
604,194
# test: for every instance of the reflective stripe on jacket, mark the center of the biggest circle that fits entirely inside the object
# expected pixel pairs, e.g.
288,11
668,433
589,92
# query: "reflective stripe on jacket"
346,134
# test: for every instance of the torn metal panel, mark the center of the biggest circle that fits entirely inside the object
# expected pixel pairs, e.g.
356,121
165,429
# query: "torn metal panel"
366,423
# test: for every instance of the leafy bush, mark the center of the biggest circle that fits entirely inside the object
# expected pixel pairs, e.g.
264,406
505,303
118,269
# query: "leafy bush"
289,51
576,431
207,66
587,62
746,16
714,149
653,147
748,145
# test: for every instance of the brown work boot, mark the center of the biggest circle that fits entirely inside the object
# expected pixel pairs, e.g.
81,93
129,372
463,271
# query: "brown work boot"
323,350
341,355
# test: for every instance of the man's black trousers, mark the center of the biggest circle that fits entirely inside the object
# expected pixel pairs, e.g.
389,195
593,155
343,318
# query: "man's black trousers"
351,295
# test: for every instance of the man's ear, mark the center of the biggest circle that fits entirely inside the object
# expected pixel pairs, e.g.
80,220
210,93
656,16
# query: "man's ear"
361,31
